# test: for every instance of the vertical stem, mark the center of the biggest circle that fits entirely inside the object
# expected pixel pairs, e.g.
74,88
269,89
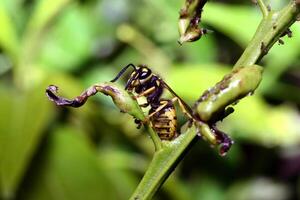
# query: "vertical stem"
163,163
254,50
155,138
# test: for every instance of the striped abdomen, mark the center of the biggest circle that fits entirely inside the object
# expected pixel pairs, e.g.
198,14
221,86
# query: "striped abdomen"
164,122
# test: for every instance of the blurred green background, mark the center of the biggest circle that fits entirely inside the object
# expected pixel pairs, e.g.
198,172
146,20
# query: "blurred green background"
96,152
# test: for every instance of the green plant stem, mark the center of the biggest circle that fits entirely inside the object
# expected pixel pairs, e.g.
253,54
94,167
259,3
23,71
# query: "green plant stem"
268,32
271,28
163,163
156,140
127,104
263,8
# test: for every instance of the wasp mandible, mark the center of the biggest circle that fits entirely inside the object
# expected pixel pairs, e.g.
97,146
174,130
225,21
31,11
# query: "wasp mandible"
162,114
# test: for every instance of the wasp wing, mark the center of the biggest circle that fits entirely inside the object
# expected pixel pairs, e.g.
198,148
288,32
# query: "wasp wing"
186,106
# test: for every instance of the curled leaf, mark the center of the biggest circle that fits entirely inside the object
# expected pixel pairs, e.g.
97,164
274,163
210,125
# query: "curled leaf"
121,98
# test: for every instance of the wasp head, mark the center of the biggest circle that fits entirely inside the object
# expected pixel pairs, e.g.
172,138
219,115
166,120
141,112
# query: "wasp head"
138,77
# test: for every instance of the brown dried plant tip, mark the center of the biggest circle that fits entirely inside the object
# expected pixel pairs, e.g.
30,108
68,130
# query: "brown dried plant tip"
189,21
60,101
122,99
223,139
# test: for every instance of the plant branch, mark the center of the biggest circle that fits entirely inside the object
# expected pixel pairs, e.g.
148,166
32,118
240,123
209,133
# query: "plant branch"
163,163
271,28
263,8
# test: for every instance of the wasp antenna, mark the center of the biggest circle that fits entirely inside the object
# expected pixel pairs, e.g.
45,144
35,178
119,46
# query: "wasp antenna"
123,70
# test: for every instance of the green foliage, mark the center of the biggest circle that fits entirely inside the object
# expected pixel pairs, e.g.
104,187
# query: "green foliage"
8,36
96,152
69,169
20,133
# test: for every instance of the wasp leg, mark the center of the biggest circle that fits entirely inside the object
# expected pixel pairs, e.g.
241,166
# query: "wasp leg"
156,111
145,92
182,107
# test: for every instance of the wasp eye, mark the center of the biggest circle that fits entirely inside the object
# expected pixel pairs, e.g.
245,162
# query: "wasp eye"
144,74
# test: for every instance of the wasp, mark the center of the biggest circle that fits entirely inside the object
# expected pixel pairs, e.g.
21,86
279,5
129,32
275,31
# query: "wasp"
162,114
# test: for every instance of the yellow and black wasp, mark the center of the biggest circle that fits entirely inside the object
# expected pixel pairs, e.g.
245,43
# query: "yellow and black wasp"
162,113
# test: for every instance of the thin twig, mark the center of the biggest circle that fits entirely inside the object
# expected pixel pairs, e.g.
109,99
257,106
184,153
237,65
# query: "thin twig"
264,9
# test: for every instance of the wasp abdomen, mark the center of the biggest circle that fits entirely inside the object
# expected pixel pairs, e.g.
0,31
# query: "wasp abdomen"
164,123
